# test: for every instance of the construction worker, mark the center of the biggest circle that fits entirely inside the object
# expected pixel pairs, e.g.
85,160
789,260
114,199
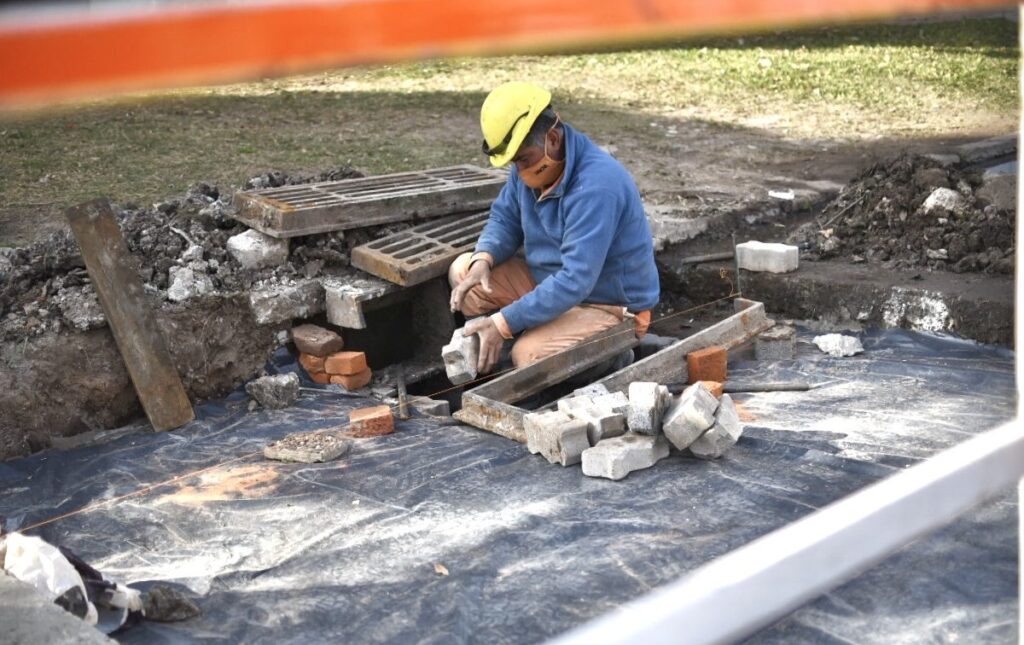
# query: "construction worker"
589,255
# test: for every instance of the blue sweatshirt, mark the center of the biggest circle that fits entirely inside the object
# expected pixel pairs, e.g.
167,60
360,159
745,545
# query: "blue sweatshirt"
587,241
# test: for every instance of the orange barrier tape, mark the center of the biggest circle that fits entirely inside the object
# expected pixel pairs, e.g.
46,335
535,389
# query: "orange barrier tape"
68,56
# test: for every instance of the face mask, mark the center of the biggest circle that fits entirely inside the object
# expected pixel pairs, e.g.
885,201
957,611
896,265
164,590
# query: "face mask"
545,172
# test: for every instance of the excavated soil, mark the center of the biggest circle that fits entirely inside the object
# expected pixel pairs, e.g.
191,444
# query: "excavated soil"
60,370
884,217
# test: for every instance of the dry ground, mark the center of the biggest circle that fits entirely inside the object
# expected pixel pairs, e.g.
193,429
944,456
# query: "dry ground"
700,124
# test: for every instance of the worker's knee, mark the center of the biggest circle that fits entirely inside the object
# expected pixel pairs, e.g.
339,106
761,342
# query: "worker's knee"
458,270
528,350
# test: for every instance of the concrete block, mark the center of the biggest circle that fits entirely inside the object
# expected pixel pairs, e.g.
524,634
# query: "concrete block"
602,423
432,407
371,422
776,344
723,435
346,363
316,341
308,447
274,392
770,257
708,364
617,457
594,389
346,297
188,282
556,436
277,302
460,357
255,250
647,404
615,402
352,381
690,416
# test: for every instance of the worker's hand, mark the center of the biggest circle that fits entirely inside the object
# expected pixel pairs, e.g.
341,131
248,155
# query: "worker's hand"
490,342
479,274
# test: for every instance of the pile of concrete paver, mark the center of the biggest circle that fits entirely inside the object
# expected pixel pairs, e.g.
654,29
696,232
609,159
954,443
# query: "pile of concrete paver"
612,433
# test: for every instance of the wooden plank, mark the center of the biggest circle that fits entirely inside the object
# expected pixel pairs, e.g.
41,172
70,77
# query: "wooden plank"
134,327
488,406
290,211
422,252
669,365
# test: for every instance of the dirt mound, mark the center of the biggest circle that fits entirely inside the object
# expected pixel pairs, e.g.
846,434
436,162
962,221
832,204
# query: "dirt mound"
45,287
912,212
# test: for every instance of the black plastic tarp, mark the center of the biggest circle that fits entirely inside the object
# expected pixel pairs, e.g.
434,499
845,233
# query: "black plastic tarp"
450,534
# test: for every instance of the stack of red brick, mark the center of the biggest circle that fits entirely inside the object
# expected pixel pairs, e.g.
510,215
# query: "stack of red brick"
320,353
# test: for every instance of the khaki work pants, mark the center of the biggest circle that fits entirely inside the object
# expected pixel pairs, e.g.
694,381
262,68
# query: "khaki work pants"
510,281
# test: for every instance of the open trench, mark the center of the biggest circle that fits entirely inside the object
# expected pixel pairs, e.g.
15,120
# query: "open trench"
62,380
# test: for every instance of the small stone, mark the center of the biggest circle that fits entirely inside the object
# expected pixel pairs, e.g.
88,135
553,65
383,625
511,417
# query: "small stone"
275,392
556,436
316,341
308,447
617,457
647,404
838,345
255,250
188,282
723,435
690,416
945,199
770,257
166,605
460,357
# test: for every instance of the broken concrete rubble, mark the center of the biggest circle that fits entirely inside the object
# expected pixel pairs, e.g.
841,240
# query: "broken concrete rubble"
167,605
255,250
308,447
286,300
945,200
556,436
647,404
189,281
691,415
770,257
723,435
275,392
460,357
617,457
838,345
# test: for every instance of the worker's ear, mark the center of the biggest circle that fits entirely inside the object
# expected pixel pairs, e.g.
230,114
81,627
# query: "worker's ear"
554,139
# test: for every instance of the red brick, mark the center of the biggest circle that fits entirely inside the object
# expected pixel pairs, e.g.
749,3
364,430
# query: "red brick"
313,364
345,363
707,365
316,341
371,422
714,387
353,381
323,378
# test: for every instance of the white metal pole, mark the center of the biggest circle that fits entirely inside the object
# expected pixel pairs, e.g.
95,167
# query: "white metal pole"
749,588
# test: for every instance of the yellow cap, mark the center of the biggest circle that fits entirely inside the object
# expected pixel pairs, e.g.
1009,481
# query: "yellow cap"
506,117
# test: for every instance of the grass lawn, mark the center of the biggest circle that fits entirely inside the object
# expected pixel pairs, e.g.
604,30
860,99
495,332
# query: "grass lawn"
855,83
